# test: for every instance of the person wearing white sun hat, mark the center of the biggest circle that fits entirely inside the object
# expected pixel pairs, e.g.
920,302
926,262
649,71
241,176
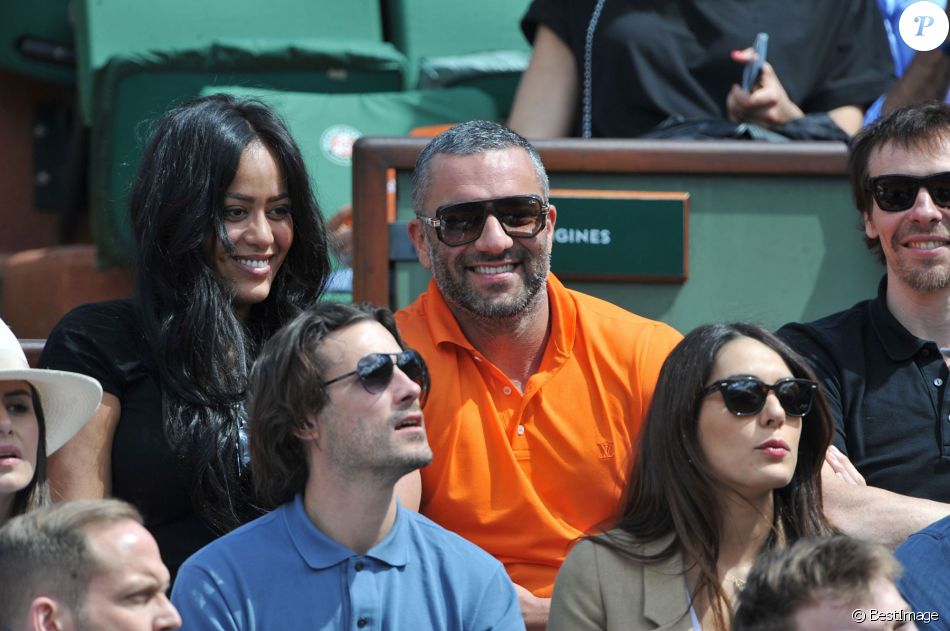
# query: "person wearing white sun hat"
40,411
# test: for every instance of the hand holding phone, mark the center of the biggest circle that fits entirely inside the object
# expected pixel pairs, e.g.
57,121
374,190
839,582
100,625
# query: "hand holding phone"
752,69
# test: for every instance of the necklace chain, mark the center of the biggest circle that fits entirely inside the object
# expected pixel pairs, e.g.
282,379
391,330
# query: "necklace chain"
738,583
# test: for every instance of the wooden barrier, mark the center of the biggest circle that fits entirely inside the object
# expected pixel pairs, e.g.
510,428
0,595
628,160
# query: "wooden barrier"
807,172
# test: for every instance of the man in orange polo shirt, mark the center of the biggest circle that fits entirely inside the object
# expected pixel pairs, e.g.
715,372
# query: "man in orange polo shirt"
537,391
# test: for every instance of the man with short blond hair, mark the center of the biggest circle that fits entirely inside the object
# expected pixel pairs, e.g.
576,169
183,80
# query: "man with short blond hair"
85,565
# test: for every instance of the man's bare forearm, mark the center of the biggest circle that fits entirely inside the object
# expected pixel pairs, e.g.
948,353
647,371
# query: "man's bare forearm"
875,514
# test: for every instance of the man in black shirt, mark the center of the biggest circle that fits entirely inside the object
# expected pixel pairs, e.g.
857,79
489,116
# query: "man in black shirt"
884,362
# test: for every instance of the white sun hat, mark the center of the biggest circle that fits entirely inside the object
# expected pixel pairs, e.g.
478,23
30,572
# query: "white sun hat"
68,398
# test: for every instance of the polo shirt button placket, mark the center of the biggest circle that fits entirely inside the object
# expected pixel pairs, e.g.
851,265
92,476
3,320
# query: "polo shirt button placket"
358,566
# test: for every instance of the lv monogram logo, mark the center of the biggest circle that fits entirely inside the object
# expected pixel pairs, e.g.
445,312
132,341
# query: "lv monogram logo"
606,450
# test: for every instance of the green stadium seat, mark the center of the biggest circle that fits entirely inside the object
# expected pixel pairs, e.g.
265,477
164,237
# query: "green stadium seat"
36,39
476,44
108,29
136,59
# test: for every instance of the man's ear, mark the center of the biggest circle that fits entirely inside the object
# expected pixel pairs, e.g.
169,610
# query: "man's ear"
869,228
48,615
310,429
418,237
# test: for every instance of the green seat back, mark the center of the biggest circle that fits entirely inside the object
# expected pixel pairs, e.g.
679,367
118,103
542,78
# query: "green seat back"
137,59
42,24
118,28
477,44
138,89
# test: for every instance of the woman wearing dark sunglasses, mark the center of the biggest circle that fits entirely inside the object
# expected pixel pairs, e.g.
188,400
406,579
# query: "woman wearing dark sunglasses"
728,465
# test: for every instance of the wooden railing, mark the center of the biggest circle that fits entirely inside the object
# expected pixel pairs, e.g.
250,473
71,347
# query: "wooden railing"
374,157
32,349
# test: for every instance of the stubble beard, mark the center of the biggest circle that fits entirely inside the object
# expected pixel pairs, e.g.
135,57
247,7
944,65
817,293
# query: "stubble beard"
459,293
923,279
367,458
927,280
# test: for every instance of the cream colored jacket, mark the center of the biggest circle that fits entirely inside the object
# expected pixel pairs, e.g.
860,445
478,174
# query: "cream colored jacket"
599,588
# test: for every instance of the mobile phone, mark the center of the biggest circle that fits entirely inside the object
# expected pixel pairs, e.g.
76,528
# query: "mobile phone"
750,74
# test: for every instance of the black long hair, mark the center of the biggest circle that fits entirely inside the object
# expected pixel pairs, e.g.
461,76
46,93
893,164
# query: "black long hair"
36,493
672,488
202,352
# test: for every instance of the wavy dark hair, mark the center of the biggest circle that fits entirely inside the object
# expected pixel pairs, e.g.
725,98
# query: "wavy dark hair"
202,351
36,493
672,487
287,385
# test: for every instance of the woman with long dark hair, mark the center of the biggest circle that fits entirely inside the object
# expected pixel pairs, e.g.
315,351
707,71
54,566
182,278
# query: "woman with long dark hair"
728,465
27,435
231,245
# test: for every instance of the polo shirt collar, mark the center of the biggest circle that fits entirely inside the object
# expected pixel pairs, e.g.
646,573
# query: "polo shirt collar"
320,552
445,328
899,343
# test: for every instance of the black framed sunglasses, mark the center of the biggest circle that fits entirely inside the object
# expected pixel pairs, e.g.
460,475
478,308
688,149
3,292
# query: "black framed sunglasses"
520,216
375,371
894,193
745,396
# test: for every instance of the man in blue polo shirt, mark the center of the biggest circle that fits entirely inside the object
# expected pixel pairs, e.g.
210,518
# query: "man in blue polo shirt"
335,421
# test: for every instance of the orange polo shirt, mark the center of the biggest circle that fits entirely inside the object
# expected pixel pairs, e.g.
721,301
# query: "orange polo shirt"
524,474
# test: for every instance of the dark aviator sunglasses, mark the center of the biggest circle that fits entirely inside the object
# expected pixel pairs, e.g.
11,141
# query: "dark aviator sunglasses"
745,396
375,371
520,216
894,193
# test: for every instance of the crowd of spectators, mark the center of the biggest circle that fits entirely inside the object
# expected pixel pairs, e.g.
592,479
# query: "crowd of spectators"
504,452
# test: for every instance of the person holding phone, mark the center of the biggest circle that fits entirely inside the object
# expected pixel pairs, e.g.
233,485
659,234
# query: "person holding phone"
620,68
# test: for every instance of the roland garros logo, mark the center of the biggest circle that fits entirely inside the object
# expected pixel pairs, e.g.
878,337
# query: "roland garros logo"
337,143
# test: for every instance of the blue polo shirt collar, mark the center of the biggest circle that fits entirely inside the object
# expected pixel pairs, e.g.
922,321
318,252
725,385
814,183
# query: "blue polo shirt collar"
321,552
